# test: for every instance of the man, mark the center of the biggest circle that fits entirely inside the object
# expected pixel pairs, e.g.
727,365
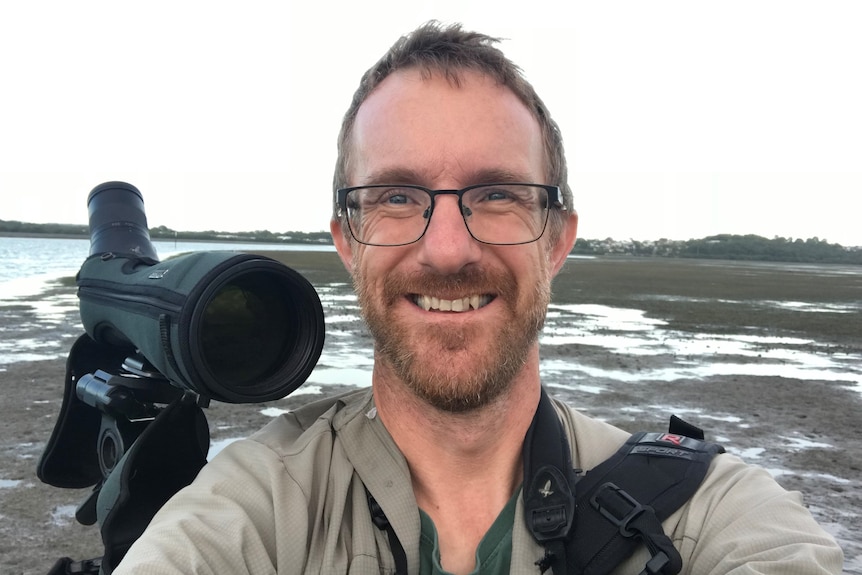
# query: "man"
453,214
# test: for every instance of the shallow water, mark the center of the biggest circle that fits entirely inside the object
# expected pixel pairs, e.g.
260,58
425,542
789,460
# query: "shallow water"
27,261
45,328
698,355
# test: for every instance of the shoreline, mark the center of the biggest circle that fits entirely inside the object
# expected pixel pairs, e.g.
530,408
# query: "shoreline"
751,256
215,240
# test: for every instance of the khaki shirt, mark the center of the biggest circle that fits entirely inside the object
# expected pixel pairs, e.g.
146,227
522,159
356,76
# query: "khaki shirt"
291,499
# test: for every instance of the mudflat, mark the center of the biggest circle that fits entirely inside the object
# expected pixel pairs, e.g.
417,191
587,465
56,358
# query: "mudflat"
802,426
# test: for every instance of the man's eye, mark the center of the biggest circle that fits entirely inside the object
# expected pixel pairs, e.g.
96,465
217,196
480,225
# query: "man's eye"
396,199
497,195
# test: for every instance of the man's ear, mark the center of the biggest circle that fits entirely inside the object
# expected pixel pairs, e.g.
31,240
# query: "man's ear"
561,250
343,245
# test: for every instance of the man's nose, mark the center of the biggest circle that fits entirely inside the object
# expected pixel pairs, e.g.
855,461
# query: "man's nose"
447,244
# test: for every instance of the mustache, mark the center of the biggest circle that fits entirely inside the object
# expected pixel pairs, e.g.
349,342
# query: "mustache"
465,282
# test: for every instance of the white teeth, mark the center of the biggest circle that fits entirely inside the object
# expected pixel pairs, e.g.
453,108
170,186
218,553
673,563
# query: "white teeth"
457,305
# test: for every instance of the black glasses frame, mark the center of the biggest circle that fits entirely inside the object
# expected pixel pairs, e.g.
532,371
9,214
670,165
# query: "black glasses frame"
554,201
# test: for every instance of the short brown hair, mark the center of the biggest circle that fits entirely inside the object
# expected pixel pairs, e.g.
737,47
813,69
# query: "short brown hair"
450,50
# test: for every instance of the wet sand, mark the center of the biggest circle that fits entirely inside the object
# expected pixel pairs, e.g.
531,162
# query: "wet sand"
805,431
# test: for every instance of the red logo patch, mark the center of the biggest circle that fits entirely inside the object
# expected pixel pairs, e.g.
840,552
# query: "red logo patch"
672,438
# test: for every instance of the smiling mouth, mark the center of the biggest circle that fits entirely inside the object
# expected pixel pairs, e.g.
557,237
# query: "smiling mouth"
429,303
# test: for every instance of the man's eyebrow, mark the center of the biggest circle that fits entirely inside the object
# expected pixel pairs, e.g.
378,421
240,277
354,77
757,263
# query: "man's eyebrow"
394,176
498,176
409,176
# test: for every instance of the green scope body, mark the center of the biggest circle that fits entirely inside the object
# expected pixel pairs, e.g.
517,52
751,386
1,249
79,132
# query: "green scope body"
230,326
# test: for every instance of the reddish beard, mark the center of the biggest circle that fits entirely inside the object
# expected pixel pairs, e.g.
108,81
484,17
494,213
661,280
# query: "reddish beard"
441,365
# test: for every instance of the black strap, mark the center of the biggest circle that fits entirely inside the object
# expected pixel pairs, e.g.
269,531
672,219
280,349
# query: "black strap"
382,522
549,480
622,502
636,521
549,498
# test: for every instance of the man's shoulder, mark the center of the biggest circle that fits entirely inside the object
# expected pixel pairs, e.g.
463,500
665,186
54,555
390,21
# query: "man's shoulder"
592,440
303,424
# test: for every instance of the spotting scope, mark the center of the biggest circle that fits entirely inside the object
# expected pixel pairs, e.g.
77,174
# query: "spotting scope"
162,339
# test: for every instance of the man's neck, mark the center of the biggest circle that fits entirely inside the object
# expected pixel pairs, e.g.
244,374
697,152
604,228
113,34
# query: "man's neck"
464,466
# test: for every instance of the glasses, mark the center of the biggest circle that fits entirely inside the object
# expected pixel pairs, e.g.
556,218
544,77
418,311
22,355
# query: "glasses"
397,215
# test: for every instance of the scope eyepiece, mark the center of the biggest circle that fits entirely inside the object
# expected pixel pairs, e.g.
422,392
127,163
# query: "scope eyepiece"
117,221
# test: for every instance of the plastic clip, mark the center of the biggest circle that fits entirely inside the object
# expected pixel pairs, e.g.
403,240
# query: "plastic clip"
620,510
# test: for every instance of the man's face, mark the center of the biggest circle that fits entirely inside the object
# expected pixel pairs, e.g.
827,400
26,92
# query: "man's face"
427,132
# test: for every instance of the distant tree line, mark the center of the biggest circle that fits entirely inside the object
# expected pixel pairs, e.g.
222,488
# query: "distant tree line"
165,233
724,246
728,247
15,227
264,236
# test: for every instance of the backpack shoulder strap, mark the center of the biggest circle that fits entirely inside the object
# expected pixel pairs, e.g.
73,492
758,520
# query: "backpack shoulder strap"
590,525
622,501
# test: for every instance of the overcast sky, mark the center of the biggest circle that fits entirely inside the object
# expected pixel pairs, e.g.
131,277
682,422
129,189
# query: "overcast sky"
681,119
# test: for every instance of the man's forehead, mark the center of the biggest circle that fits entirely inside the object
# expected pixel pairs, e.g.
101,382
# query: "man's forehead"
418,117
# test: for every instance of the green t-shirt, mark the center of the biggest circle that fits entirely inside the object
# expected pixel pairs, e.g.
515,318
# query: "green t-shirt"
493,556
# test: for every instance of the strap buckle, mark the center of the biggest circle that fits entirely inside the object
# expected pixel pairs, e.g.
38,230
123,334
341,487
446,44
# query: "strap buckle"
618,507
